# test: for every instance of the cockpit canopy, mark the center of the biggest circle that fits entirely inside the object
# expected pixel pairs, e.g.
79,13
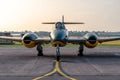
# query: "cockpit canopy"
59,25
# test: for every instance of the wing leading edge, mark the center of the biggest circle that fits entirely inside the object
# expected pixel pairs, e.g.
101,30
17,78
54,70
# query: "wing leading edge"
19,39
106,39
82,40
76,40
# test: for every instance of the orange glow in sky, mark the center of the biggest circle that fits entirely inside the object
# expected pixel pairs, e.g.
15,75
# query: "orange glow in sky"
21,15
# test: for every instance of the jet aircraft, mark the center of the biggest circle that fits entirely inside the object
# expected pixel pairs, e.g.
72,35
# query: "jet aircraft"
59,38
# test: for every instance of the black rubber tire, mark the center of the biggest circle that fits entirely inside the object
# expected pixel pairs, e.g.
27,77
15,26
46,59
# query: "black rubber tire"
80,53
40,54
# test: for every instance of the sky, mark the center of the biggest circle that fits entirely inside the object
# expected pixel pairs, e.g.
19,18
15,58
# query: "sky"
21,15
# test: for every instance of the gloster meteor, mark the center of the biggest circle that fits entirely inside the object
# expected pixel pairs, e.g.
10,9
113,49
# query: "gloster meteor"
59,37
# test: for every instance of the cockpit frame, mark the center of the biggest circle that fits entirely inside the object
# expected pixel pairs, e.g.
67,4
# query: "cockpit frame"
59,25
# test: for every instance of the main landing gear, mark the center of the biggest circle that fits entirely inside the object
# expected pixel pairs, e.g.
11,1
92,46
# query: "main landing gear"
40,50
81,49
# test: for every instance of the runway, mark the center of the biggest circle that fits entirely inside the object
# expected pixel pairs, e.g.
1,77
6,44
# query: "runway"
23,64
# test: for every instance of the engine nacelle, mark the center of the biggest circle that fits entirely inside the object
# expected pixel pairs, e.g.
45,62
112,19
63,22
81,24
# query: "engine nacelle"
91,40
28,40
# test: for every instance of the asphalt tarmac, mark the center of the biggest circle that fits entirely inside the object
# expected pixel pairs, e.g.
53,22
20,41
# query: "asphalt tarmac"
23,64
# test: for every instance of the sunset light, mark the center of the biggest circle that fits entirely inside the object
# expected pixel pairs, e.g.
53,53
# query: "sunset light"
20,15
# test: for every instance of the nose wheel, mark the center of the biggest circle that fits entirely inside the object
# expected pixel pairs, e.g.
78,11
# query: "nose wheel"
57,53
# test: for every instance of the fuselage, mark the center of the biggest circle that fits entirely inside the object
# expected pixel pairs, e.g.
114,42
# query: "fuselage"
59,35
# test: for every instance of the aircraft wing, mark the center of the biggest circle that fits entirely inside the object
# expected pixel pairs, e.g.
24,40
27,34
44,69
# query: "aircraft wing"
74,40
19,39
43,40
106,39
78,40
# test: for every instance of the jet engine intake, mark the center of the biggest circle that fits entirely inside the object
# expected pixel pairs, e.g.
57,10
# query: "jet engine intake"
28,40
91,40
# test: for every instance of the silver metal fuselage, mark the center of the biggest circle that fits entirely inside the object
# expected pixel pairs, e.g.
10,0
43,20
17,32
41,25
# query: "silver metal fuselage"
59,35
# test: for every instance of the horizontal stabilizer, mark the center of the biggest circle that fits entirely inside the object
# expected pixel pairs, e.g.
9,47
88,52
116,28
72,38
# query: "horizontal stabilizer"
73,23
48,23
63,22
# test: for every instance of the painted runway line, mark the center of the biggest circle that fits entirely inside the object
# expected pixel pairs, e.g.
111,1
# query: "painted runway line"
56,69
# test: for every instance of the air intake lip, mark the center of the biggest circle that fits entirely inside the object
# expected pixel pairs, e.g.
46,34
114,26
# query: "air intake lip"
27,40
92,39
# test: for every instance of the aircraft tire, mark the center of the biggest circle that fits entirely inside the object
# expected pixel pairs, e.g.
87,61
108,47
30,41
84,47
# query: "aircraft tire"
40,54
80,53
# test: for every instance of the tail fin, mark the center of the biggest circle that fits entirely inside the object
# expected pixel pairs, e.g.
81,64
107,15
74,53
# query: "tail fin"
63,18
54,22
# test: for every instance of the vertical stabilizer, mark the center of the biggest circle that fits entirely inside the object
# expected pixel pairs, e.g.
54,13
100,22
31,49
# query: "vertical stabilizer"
63,18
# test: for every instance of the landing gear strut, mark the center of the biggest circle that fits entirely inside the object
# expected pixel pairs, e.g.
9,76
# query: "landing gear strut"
81,49
40,50
57,52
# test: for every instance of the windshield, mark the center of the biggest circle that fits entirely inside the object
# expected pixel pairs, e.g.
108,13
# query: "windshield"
59,25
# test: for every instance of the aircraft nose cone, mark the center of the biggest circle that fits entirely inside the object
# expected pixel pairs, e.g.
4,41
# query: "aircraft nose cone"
59,37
